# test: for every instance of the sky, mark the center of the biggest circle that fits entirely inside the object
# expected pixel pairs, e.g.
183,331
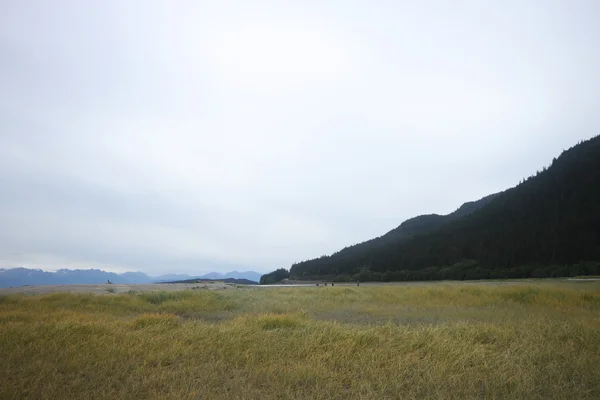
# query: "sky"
196,136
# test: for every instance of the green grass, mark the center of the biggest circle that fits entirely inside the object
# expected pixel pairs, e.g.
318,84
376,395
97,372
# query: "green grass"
535,340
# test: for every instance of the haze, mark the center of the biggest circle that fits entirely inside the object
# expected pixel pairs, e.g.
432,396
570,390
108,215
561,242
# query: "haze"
208,136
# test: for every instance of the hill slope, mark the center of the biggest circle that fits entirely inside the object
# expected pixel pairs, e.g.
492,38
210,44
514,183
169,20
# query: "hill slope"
538,228
408,229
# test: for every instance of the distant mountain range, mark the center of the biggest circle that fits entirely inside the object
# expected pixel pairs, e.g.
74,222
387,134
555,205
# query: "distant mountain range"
23,276
238,281
546,226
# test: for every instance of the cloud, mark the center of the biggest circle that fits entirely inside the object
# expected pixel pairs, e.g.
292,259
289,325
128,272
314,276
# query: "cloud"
186,137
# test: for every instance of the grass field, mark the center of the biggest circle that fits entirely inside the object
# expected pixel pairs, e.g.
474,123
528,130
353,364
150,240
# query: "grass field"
537,340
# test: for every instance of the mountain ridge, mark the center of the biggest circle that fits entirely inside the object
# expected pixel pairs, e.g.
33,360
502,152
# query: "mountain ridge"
12,277
548,225
411,227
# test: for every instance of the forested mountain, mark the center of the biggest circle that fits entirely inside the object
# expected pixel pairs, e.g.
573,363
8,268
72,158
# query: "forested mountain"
406,230
427,223
548,225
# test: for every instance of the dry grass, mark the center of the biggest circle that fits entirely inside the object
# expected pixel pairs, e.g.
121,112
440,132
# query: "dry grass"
463,341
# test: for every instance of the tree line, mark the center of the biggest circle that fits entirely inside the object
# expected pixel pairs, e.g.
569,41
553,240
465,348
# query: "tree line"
547,226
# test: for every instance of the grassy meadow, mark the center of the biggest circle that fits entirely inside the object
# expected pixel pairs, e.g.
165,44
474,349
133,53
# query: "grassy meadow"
534,340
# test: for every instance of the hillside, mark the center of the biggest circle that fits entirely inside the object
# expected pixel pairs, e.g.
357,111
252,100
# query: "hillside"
427,223
548,225
406,230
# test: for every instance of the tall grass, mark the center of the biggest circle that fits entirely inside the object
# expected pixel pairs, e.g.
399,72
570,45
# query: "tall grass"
451,341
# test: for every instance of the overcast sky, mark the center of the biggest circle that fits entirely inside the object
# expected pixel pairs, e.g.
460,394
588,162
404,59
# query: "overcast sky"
196,136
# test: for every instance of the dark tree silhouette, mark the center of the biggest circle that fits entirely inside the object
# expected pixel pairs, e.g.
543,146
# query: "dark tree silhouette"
547,226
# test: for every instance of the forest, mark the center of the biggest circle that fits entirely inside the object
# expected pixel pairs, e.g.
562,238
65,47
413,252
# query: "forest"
546,226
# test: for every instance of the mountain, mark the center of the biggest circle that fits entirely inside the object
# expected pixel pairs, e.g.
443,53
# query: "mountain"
237,281
548,225
24,276
427,223
406,230
137,277
248,275
32,277
171,277
212,275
